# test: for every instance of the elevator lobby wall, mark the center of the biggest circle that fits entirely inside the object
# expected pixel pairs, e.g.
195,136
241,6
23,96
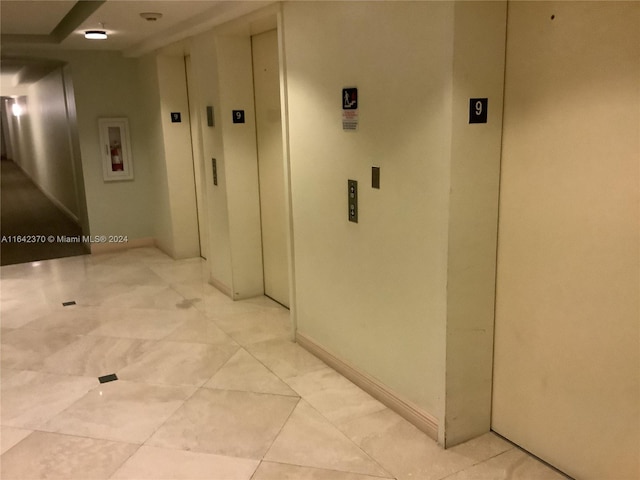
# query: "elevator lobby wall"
384,295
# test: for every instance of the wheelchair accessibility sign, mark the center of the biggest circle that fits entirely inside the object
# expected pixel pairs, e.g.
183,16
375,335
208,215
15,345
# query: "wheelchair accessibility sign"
350,109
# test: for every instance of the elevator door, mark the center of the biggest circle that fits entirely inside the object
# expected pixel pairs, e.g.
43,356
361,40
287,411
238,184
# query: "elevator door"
198,161
566,365
266,80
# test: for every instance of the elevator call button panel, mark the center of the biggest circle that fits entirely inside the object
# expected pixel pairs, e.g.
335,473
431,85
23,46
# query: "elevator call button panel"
353,201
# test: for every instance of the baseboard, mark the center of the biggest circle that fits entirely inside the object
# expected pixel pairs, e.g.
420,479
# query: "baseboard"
221,286
97,248
411,412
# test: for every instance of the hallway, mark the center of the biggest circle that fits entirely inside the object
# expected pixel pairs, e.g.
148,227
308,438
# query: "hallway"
26,211
207,387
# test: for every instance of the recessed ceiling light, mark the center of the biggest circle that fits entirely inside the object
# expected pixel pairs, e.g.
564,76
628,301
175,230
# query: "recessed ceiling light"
16,109
95,34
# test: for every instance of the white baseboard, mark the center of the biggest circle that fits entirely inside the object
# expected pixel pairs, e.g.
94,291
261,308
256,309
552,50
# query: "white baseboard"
97,248
406,409
221,286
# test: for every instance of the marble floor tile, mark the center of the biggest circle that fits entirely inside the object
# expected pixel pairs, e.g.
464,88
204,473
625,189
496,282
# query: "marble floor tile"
142,323
253,327
407,453
192,269
152,463
200,330
10,436
74,319
308,439
17,312
245,373
208,387
65,457
335,397
21,272
143,255
84,291
20,289
92,356
120,411
511,465
201,290
215,306
24,349
282,471
237,424
178,363
30,399
146,296
285,358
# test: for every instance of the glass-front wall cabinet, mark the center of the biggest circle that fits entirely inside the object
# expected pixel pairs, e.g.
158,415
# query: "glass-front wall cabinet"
117,162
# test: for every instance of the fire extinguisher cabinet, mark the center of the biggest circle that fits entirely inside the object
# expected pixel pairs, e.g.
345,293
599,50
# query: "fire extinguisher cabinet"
117,162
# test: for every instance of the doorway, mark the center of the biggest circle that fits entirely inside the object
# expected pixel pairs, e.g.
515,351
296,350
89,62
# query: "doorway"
266,80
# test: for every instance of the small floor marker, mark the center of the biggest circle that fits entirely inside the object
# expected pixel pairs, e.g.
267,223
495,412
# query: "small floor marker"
66,304
108,378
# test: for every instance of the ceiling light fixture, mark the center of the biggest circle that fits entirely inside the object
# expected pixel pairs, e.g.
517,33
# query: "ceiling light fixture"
95,34
16,109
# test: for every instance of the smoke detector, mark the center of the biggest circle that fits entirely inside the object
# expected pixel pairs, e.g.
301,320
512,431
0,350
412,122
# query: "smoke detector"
151,16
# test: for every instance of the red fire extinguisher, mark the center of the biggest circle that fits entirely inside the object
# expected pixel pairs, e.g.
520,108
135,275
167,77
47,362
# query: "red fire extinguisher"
116,158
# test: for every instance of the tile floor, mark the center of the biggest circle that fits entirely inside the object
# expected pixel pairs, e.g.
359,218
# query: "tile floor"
208,388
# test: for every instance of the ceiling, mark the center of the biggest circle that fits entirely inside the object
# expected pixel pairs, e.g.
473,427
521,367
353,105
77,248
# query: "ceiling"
29,26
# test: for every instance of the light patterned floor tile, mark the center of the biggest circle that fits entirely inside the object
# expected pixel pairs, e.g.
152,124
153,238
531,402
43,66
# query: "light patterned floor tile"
164,330
407,453
282,471
96,356
152,463
243,372
258,326
30,399
200,330
238,424
334,396
178,363
24,349
120,411
64,457
77,320
145,323
285,358
308,439
511,465
10,436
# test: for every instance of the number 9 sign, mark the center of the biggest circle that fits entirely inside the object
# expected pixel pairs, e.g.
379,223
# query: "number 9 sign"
478,110
238,116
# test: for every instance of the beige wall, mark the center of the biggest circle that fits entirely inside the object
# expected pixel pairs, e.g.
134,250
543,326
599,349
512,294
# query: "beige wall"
567,352
51,166
406,295
107,85
373,293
